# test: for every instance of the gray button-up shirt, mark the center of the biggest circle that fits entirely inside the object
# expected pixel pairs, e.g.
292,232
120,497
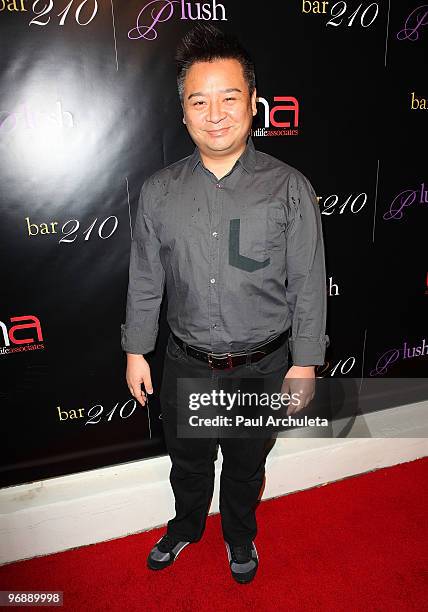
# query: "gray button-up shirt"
242,258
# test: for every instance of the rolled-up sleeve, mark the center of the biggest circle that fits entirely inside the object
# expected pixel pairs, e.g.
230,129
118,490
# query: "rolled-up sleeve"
305,263
146,281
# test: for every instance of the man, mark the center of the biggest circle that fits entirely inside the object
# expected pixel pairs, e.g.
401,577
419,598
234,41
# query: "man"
235,236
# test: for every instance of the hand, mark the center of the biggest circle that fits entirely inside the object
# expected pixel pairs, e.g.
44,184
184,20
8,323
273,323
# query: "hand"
137,372
301,381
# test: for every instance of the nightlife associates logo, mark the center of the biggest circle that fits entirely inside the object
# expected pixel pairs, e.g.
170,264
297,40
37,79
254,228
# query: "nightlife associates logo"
159,11
278,119
27,324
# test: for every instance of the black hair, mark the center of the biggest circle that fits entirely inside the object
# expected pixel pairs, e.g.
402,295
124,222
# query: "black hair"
205,43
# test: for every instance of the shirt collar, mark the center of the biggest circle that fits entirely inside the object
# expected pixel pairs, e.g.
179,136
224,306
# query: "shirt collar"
247,159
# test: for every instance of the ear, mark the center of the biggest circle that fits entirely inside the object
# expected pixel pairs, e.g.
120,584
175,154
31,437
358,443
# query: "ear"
254,103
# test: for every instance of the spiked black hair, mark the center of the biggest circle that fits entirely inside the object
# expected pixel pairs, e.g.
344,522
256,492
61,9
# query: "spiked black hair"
205,43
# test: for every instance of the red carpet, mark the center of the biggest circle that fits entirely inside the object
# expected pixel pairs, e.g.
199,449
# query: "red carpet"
357,544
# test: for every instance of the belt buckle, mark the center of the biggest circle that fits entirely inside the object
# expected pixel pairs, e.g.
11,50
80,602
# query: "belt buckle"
229,362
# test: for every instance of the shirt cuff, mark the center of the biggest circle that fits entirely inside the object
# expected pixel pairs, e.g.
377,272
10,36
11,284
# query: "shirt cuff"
134,339
308,351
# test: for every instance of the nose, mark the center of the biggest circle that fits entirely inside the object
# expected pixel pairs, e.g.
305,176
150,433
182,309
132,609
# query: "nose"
214,112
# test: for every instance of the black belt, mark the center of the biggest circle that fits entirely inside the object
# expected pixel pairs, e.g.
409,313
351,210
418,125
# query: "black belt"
222,361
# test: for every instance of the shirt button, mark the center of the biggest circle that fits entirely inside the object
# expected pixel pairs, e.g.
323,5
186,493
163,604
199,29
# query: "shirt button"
215,234
214,325
218,186
212,280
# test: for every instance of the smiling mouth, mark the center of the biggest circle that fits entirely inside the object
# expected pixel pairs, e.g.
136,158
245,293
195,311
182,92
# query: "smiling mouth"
218,132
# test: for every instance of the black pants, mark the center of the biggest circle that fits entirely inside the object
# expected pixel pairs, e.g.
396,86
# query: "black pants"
192,472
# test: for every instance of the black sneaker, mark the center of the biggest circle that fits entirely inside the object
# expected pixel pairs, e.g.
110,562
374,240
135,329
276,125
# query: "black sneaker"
165,552
243,560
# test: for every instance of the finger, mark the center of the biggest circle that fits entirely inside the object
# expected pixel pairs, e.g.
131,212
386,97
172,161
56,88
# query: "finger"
135,391
291,405
148,383
298,407
139,395
297,403
308,398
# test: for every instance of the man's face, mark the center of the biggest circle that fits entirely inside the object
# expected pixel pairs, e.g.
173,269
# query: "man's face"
218,110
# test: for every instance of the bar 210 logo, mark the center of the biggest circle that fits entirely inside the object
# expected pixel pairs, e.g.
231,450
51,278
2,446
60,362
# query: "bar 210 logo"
97,413
84,12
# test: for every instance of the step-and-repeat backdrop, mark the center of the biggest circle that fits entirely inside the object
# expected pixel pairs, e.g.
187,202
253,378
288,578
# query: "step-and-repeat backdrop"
89,108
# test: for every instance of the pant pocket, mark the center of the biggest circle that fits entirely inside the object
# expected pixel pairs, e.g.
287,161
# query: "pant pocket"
273,362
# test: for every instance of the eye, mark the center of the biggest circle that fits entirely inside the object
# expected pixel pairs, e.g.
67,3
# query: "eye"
198,102
231,98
